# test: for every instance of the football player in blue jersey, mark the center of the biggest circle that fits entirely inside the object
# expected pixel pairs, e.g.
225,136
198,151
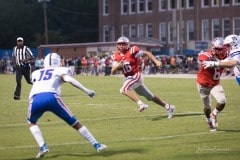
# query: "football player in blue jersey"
45,96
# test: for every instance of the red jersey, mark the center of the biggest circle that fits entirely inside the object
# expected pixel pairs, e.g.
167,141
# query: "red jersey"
208,77
130,61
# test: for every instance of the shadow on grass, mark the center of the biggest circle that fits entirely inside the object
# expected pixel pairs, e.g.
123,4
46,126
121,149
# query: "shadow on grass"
177,115
229,130
106,153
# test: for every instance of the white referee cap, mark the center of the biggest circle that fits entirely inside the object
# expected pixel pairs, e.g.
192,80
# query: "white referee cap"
19,39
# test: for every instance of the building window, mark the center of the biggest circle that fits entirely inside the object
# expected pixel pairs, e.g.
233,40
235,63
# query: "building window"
105,7
236,2
106,34
162,5
125,30
183,3
205,30
140,31
133,31
190,4
170,32
171,4
163,32
225,2
215,3
149,5
140,6
236,26
205,3
149,30
190,31
216,28
133,6
226,27
124,6
181,31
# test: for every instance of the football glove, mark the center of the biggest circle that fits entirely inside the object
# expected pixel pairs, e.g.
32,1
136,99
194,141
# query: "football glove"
210,64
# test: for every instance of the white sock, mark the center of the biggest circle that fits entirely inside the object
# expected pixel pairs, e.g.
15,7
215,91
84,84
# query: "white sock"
87,135
208,119
167,106
215,112
37,134
139,102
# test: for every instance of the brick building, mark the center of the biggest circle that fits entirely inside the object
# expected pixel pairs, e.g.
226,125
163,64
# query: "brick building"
179,25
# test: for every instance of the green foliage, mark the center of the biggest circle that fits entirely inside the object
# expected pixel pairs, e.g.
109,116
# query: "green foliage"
73,21
114,120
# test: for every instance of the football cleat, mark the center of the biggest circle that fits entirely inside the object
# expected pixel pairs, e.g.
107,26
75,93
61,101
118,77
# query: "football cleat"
16,98
211,128
214,121
170,111
142,107
99,147
42,151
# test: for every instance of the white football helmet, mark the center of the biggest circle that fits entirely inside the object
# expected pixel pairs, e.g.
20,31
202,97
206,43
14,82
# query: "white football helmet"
233,41
52,60
125,44
123,40
218,48
217,42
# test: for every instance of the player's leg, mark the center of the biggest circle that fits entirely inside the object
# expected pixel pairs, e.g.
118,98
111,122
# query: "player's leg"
206,100
218,93
62,111
142,90
35,111
17,92
84,132
131,83
27,74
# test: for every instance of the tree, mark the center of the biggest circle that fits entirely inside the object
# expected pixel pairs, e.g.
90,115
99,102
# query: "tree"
72,21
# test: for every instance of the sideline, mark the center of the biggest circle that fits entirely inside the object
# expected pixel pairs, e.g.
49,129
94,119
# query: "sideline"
190,76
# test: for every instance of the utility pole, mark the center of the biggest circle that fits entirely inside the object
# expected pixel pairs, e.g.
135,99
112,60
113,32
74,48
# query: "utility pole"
45,18
180,28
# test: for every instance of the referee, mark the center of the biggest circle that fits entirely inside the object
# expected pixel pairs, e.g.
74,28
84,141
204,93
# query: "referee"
23,56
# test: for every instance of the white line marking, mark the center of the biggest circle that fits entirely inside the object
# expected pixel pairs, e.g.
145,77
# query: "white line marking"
109,118
117,141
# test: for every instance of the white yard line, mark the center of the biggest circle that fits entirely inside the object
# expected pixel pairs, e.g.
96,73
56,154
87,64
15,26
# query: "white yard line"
108,118
117,141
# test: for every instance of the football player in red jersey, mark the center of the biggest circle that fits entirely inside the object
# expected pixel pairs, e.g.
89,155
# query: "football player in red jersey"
208,82
127,60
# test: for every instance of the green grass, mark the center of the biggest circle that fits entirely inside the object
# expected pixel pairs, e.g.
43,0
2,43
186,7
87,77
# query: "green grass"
114,120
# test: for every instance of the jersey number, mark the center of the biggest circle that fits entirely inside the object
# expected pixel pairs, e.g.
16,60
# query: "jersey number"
45,74
217,74
127,67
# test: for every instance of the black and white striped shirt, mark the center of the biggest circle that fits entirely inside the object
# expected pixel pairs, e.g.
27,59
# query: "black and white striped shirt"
22,54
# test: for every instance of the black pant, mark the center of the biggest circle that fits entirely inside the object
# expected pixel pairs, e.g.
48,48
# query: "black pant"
22,71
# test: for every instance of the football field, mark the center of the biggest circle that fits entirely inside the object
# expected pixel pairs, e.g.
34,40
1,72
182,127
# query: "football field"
115,121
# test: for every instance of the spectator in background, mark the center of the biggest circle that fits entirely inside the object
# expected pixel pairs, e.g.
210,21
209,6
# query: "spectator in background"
23,56
108,66
84,65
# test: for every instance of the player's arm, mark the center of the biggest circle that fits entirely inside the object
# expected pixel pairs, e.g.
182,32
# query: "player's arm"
229,63
152,58
223,64
116,66
78,85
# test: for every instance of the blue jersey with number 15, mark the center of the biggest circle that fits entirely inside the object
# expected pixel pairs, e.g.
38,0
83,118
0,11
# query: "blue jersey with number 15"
48,80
